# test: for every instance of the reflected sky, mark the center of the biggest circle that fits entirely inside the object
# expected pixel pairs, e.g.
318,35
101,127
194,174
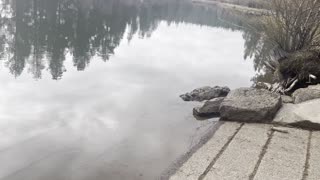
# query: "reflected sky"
36,35
119,119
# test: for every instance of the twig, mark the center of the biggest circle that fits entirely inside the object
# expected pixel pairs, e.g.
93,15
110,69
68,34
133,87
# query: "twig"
292,85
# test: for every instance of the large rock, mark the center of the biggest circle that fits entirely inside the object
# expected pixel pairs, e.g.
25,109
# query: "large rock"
304,115
306,94
250,105
205,93
317,87
209,109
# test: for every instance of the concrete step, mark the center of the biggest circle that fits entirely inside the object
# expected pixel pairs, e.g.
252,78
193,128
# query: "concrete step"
313,163
200,160
285,157
255,152
240,158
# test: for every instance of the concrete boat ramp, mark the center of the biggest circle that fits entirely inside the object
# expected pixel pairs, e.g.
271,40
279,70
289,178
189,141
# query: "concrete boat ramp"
241,151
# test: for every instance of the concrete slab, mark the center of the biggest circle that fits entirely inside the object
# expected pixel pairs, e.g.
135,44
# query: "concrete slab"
314,161
239,159
201,159
285,157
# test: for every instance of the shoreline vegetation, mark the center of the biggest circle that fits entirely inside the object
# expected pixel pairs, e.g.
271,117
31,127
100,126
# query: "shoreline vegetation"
286,48
233,6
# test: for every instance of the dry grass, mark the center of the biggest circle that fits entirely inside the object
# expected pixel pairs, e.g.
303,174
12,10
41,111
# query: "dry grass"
293,24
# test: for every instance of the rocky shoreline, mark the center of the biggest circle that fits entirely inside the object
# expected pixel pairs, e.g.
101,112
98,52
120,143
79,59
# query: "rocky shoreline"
256,105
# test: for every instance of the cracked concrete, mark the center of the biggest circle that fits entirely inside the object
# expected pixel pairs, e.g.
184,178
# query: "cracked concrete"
200,160
255,152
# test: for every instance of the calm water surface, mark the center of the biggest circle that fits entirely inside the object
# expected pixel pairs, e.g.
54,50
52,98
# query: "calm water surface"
90,89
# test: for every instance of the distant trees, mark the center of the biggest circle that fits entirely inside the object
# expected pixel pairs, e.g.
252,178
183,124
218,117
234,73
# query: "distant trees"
259,4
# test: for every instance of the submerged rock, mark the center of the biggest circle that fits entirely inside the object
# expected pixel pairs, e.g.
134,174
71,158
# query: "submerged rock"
286,99
206,93
209,109
250,105
306,94
304,115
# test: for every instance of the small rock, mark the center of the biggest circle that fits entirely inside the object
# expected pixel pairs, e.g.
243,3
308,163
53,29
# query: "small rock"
206,93
210,108
250,105
286,99
306,94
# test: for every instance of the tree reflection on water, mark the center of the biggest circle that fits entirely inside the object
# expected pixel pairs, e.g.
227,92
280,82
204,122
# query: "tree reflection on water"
38,34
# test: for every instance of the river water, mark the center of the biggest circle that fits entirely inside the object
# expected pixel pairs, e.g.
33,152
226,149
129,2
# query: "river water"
90,88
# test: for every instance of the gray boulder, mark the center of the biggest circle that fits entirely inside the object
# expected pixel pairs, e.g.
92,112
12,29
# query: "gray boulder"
209,109
306,94
250,105
286,99
305,115
317,87
206,93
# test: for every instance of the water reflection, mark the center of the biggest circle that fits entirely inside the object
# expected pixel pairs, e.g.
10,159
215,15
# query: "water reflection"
37,34
115,120
260,50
